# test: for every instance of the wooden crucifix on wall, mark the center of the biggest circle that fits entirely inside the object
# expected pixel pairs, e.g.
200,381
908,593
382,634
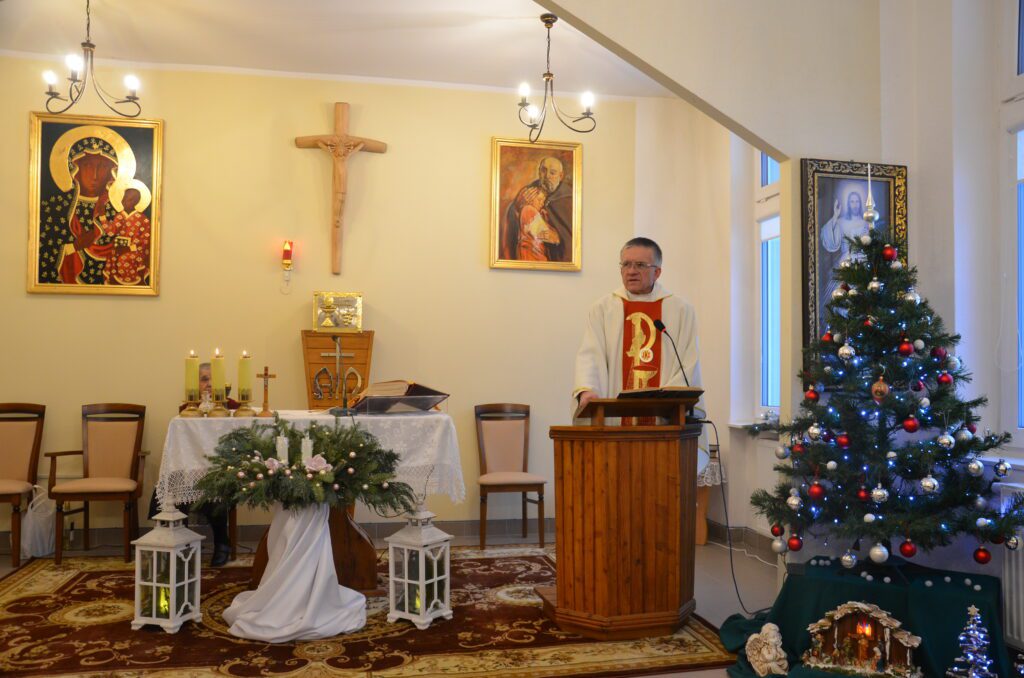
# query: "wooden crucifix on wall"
340,145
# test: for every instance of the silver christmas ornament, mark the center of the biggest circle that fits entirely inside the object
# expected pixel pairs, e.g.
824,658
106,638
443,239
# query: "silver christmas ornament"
929,484
1013,543
980,503
870,214
779,545
837,337
976,468
828,369
781,452
896,264
879,553
849,560
838,293
891,456
1002,468
865,239
918,344
845,263
912,297
964,435
832,466
953,364
847,352
924,403
945,441
869,518
794,502
982,523
879,495
853,291
813,431
875,285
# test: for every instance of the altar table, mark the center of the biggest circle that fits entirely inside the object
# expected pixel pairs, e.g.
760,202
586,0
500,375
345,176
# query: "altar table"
425,442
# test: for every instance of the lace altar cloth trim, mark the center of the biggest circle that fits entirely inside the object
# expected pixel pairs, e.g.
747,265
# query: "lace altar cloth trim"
426,443
713,474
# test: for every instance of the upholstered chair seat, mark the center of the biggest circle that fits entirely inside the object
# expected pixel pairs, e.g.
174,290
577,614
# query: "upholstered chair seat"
21,432
506,477
96,485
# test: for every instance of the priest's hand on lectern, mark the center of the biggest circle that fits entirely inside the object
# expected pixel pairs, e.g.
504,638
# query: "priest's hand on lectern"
586,397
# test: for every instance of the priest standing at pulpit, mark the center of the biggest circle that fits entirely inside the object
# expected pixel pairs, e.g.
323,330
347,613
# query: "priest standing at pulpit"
622,348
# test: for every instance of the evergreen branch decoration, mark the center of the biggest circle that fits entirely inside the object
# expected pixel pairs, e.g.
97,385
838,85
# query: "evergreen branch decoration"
348,465
883,447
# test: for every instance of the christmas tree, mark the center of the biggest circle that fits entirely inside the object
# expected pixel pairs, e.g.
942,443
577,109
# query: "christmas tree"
884,449
974,661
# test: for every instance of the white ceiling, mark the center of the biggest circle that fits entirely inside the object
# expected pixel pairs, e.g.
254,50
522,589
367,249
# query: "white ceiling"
489,43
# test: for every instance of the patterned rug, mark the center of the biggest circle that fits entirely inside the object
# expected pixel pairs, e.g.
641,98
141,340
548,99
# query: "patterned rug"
73,620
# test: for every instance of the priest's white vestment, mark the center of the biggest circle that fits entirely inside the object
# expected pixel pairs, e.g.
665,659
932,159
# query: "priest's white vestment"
599,360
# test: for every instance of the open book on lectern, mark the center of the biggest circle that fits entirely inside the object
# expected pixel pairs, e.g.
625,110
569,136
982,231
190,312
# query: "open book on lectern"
387,397
660,392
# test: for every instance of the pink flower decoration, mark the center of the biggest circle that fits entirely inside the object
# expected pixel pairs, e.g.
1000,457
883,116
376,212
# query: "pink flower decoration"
318,463
273,464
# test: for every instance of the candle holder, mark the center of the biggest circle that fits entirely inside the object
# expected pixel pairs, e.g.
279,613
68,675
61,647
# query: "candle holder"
219,410
244,398
191,405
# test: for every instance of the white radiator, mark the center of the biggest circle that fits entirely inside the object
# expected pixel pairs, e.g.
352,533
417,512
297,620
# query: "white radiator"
1013,578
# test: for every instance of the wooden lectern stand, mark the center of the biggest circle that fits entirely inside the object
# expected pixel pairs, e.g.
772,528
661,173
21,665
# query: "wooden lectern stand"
625,509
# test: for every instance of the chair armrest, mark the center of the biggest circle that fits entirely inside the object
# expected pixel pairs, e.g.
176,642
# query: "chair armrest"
52,480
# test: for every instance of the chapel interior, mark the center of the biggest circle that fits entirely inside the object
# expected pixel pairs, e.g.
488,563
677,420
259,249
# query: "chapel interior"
696,100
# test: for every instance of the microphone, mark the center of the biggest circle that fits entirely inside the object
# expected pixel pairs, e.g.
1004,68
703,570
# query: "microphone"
660,326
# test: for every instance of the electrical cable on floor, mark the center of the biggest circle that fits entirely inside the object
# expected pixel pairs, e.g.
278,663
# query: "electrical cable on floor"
728,529
745,552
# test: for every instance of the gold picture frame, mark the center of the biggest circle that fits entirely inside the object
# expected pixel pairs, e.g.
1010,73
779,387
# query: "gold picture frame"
94,205
536,205
337,312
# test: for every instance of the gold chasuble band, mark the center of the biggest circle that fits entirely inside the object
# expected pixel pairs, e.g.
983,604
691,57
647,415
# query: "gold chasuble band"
641,348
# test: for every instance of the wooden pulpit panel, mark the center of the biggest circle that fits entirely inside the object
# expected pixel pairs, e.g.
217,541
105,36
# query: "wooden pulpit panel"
357,350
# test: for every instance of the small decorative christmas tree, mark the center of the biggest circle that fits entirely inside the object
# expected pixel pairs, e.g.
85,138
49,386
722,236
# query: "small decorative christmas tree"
974,661
884,448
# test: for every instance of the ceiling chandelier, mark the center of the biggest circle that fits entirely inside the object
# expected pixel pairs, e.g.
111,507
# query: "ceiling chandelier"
81,70
534,117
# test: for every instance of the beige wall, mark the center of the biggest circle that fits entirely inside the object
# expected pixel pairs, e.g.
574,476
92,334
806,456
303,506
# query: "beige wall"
416,241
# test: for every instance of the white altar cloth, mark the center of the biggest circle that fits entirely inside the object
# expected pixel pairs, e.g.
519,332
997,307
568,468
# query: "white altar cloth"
424,441
299,597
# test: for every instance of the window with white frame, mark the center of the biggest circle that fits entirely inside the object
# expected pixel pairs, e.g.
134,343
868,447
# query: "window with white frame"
766,212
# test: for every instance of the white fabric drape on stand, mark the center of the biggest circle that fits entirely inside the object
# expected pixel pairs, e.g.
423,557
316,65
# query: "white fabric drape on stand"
299,597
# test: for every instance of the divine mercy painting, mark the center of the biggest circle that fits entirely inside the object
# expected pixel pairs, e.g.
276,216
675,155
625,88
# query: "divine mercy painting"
94,205
536,199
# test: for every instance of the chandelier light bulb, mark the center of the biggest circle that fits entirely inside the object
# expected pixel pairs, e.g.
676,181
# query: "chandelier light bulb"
524,90
74,63
533,112
131,83
587,101
50,78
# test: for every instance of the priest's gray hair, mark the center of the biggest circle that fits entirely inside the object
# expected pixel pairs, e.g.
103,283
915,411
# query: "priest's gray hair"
649,244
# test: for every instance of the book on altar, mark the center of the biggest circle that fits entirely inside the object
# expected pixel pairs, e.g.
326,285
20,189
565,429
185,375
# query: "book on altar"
399,395
659,392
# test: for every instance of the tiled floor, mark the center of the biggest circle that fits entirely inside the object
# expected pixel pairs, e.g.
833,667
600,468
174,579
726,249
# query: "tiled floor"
716,598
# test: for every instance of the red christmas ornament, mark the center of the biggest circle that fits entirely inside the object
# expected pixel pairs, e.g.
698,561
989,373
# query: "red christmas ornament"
816,491
998,539
827,436
945,379
868,322
795,543
917,386
981,554
843,440
827,337
777,530
889,253
906,348
972,428
797,449
863,494
911,424
908,549
846,287
939,353
811,395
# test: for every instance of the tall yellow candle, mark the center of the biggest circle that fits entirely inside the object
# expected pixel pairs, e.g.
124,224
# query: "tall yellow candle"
192,377
217,375
245,377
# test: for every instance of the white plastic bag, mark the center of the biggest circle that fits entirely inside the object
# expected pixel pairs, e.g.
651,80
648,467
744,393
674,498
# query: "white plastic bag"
37,534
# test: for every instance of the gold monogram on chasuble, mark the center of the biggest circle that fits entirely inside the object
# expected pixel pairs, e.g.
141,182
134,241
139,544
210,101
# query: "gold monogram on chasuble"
641,345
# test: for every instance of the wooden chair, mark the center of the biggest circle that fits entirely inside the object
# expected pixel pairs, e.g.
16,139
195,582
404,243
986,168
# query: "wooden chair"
21,431
111,469
503,438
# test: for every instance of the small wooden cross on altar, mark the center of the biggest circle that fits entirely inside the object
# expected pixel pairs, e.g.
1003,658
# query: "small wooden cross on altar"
266,376
340,145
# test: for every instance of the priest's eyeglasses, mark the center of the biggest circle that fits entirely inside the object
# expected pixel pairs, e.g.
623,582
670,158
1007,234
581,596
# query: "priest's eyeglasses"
636,266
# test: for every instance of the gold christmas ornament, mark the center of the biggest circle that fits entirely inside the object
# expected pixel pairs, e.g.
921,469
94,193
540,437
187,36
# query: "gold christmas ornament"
879,390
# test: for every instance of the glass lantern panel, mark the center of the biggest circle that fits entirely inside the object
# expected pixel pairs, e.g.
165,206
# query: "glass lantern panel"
181,566
145,601
180,598
431,596
413,598
400,599
428,568
190,594
163,567
399,555
193,569
442,584
413,564
146,565
163,602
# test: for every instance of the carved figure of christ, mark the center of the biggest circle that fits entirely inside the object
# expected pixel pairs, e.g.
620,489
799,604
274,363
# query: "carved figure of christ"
340,145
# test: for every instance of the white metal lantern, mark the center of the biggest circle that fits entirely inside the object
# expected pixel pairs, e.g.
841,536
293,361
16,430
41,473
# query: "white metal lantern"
167,574
419,567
